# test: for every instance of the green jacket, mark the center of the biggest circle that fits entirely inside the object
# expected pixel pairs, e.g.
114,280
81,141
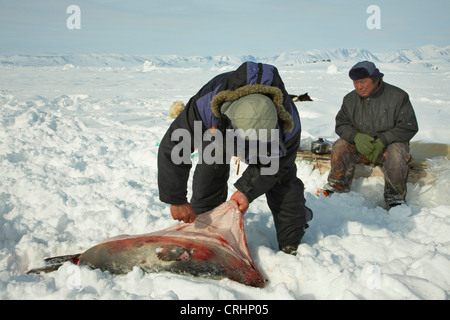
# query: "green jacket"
387,114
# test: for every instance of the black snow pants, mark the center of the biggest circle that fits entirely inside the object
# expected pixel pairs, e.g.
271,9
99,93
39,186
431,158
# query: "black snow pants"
285,200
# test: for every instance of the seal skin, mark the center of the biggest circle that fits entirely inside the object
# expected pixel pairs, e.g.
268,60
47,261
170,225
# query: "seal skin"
154,253
213,246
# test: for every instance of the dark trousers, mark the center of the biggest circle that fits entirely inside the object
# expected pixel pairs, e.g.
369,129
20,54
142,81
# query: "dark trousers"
286,199
394,161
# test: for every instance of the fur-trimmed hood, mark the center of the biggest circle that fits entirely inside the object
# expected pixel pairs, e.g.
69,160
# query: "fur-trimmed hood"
272,92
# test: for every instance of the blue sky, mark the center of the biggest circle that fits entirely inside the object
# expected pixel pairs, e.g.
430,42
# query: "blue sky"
209,27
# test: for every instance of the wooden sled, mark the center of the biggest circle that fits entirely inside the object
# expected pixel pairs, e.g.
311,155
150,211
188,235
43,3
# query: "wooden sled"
420,152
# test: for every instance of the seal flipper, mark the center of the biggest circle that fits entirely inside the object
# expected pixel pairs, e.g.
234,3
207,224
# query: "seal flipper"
53,263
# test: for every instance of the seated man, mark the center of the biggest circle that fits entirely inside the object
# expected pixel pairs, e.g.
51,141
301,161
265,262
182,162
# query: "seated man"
375,124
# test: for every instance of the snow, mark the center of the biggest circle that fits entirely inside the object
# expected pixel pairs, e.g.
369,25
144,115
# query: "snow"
426,55
430,52
78,148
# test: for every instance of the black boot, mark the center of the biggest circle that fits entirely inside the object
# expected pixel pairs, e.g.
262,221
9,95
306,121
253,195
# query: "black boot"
291,249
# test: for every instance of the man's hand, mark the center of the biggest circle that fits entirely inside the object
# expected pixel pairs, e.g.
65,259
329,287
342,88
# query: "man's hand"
183,212
363,143
241,200
378,147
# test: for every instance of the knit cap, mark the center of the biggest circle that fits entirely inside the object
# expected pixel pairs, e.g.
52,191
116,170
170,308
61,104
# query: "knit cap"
364,69
254,111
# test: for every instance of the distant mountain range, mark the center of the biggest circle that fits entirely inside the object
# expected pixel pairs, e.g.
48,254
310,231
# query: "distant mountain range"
427,54
422,54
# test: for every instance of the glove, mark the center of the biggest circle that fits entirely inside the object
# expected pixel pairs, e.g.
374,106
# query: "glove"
364,144
378,147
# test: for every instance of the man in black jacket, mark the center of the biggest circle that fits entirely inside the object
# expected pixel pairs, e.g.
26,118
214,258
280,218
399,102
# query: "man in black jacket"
375,124
250,99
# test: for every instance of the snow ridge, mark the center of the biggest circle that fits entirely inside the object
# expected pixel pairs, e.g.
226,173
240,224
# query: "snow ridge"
423,54
430,53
